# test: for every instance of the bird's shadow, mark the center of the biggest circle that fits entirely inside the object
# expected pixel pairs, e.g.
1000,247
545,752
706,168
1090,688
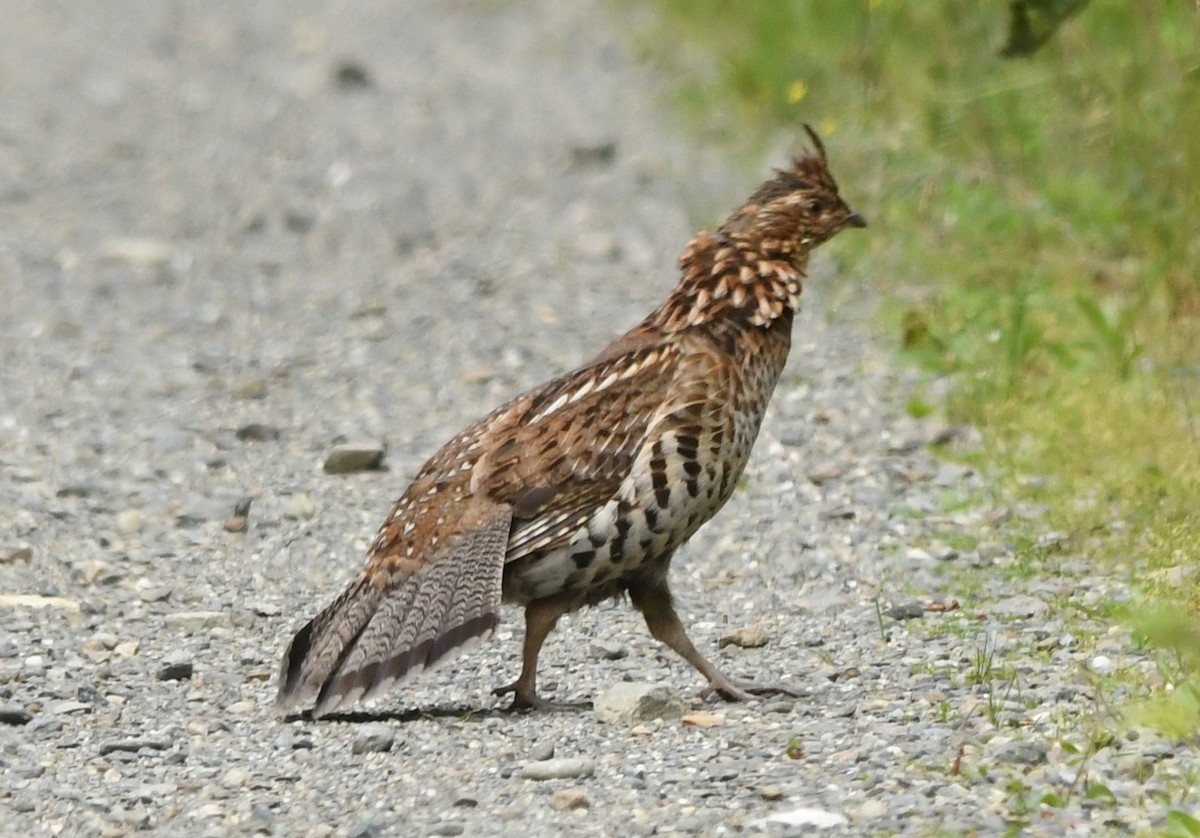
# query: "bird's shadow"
463,712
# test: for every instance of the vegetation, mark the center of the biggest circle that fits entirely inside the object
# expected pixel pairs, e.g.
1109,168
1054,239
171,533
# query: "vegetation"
1034,199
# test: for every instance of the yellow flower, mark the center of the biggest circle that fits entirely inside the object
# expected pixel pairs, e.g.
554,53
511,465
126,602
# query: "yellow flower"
797,91
828,126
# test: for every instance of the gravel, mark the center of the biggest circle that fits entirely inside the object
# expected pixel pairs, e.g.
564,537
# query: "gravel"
236,237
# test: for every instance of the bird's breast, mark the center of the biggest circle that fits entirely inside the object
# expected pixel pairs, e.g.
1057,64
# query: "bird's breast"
684,472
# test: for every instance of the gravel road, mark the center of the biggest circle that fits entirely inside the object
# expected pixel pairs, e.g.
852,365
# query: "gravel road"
235,236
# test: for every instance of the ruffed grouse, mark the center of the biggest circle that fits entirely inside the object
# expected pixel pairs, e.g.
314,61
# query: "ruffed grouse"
583,488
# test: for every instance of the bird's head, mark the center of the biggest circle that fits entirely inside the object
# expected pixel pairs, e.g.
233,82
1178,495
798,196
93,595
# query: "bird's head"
795,210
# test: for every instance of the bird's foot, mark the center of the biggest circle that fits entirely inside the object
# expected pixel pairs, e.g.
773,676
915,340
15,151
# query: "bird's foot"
525,699
744,690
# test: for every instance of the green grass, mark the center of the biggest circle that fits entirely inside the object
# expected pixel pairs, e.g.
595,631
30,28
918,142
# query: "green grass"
1035,235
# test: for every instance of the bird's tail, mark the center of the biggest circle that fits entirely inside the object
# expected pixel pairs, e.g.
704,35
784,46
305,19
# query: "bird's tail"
374,635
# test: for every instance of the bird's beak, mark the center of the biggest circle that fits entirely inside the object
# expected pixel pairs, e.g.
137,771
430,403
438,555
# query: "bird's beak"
854,220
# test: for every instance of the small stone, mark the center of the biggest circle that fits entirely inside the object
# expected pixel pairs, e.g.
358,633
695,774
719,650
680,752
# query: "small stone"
102,640
300,505
1020,606
771,792
68,606
951,474
638,702
542,751
1023,753
129,521
14,714
943,552
92,571
298,220
373,739
235,778
250,388
77,490
598,153
558,769
703,719
288,741
257,432
1103,665
241,515
149,592
569,799
908,610
804,817
350,75
64,707
192,620
607,651
149,253
1051,541
352,457
825,472
747,637
872,809
134,746
126,650
16,554
177,666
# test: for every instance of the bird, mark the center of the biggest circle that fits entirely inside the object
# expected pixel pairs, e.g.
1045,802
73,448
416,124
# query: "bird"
582,489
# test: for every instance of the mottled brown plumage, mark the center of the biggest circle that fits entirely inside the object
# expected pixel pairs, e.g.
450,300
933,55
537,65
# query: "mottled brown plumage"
583,488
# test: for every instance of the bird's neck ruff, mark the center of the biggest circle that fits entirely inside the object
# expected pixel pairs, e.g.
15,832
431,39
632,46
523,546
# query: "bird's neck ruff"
727,277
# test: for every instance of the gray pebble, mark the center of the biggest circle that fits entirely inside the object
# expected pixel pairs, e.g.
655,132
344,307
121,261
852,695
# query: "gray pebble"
14,714
288,741
257,432
604,650
558,769
634,702
134,746
1024,753
1020,605
907,610
15,554
570,799
373,738
352,457
195,620
177,666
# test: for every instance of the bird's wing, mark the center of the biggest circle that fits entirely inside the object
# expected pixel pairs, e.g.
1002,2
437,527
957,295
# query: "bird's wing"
524,478
565,452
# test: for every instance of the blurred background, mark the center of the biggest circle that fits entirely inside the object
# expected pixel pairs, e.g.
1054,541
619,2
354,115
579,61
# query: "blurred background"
1031,172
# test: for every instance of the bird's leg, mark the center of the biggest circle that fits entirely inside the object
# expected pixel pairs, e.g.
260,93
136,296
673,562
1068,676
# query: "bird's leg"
653,598
540,617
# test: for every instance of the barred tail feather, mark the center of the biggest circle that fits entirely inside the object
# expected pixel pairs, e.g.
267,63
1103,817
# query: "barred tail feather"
318,649
370,639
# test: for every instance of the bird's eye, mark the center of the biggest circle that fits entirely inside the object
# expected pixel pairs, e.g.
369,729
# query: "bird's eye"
813,206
